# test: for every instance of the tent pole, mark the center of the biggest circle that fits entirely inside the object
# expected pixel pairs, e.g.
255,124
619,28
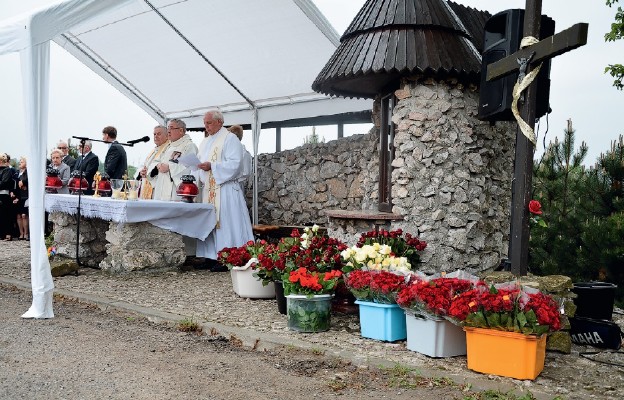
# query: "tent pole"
255,129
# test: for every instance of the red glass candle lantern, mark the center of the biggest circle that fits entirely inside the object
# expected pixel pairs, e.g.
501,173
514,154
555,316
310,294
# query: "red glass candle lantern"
52,183
104,185
76,184
187,189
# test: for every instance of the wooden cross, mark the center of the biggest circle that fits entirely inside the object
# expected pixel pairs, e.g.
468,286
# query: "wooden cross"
547,48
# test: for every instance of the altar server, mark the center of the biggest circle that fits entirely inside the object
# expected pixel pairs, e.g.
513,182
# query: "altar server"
115,162
221,155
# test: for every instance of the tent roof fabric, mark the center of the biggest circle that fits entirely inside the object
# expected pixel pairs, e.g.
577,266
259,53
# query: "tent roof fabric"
174,58
180,58
389,39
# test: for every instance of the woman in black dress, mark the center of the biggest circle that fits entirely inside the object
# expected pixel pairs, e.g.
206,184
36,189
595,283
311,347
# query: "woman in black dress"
7,184
21,200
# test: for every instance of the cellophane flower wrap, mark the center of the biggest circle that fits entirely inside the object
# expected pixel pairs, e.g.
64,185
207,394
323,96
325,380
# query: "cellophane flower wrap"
374,257
375,286
302,281
507,307
431,297
401,244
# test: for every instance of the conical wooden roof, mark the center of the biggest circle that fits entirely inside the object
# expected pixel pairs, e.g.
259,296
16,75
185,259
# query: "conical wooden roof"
389,39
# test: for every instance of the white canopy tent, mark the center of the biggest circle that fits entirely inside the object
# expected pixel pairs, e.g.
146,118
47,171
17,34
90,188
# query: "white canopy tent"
253,60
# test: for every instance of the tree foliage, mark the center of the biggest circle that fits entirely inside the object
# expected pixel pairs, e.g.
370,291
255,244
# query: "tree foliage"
616,33
313,138
585,213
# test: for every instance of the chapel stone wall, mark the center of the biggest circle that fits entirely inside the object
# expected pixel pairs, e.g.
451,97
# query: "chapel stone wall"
295,186
451,177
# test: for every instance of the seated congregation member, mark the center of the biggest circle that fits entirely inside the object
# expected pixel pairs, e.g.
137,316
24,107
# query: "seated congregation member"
115,161
149,173
63,169
221,156
88,163
169,170
246,170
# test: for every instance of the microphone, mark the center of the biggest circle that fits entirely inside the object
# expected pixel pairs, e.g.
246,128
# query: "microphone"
143,139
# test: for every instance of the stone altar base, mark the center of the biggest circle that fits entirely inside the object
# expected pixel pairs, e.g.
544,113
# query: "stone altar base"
92,242
141,246
117,247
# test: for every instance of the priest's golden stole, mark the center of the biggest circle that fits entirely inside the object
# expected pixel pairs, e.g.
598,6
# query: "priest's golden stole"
214,191
146,188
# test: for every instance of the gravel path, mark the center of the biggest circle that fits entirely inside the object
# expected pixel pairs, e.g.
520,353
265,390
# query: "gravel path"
207,297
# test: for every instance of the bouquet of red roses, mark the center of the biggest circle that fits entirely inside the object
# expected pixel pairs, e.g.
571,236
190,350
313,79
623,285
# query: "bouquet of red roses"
432,298
310,249
375,286
235,256
510,307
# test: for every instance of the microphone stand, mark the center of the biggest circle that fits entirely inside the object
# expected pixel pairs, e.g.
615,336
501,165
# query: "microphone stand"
82,160
82,145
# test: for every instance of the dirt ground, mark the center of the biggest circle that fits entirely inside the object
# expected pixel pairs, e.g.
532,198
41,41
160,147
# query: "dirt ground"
86,353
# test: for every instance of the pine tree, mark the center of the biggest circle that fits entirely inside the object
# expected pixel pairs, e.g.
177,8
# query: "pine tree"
601,254
313,138
558,184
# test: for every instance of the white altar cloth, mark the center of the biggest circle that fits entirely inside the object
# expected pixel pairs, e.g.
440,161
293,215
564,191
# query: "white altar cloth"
194,220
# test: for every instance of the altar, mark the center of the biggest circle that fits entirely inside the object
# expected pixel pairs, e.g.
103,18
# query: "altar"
121,235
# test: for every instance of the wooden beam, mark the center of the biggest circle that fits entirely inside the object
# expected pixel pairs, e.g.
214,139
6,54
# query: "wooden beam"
552,46
523,163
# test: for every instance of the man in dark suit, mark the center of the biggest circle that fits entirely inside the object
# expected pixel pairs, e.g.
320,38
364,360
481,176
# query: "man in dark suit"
88,163
115,162
67,159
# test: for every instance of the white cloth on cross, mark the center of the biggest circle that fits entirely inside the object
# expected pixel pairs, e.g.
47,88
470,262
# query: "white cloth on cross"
519,87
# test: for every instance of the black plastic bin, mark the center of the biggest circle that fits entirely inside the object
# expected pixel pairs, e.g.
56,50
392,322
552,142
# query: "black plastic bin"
595,299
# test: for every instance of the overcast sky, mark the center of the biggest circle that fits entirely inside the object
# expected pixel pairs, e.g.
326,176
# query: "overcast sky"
81,103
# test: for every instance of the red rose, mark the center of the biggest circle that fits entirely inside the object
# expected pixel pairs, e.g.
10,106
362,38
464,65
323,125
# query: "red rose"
535,207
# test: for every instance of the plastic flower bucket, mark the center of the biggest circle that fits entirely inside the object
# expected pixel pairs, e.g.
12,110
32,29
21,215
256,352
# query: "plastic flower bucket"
248,286
509,354
309,314
434,337
381,321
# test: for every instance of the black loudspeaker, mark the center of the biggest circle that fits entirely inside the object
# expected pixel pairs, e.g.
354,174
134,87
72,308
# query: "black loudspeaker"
503,33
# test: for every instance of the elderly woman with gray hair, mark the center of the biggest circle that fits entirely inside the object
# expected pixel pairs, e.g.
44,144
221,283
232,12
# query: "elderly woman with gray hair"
63,169
7,184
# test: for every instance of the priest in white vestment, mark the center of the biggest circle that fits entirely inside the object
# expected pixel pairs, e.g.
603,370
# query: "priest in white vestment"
169,170
221,156
149,172
246,170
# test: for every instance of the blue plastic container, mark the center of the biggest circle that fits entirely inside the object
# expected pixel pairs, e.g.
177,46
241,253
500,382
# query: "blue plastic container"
384,322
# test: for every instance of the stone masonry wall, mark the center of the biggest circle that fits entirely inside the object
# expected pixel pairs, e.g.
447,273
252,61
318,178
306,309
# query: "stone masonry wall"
295,186
451,179
452,175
